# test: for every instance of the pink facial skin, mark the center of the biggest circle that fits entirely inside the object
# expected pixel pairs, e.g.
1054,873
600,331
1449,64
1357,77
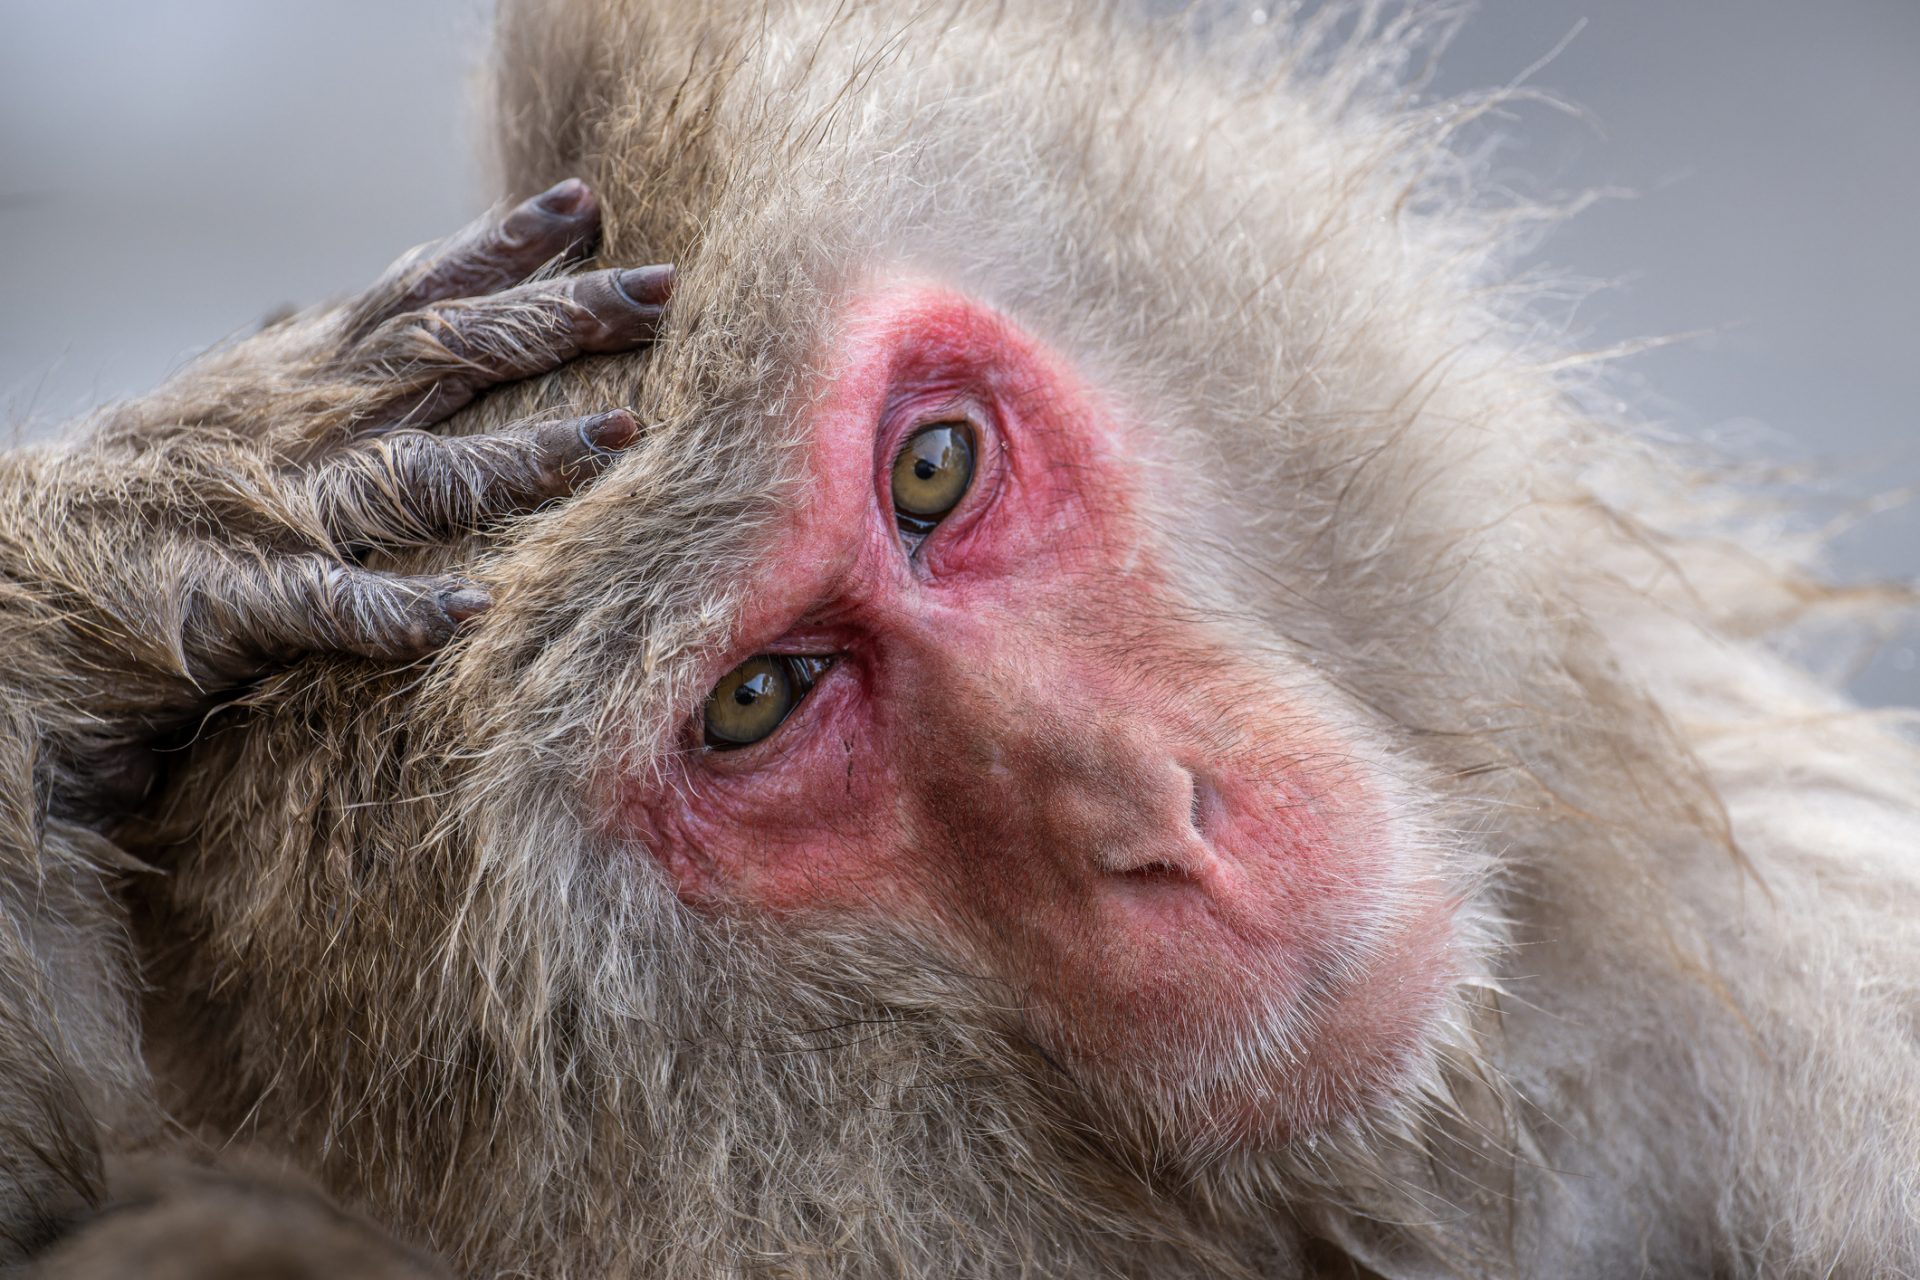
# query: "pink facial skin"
1031,744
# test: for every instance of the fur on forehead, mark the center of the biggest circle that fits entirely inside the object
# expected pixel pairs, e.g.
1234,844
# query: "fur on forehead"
1067,167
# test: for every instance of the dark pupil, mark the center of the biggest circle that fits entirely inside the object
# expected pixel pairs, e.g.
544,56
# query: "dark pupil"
931,475
752,689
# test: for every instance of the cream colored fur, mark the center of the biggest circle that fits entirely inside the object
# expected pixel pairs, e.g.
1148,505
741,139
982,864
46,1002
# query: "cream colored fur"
394,942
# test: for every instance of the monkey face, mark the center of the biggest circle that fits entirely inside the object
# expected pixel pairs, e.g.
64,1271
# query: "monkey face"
966,699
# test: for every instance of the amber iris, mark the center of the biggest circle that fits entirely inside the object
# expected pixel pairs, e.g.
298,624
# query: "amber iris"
752,699
931,474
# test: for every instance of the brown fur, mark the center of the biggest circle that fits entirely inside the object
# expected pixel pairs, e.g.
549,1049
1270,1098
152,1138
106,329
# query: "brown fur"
392,945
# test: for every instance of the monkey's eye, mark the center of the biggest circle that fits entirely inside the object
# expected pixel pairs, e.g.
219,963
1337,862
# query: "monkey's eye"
931,475
752,699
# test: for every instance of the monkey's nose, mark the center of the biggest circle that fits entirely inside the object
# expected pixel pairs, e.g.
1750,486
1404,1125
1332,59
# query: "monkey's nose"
1168,838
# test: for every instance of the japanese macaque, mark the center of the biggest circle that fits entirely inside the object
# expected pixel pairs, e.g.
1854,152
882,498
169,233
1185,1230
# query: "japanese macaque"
1088,696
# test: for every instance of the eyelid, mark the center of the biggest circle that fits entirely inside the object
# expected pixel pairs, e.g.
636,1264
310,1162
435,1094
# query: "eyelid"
907,414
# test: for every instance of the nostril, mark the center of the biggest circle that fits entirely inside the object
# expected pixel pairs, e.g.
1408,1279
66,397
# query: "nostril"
1155,872
1203,805
1151,837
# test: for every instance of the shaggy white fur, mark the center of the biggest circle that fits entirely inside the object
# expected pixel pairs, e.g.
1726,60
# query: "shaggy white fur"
396,945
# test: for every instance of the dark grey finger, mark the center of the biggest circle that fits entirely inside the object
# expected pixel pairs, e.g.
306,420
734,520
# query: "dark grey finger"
413,488
249,616
449,353
494,253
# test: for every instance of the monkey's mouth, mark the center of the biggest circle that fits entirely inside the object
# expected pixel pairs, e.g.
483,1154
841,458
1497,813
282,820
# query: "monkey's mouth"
1213,1049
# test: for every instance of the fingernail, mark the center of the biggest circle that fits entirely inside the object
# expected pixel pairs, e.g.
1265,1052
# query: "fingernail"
646,286
467,602
615,429
562,198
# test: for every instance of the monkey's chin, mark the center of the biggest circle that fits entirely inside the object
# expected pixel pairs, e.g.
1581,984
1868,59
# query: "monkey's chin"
1271,1101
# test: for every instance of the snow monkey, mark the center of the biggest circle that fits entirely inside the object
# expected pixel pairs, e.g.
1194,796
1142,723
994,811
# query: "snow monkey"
1077,689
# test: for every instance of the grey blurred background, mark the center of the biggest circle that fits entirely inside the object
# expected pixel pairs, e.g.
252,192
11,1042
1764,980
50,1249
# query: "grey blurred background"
170,171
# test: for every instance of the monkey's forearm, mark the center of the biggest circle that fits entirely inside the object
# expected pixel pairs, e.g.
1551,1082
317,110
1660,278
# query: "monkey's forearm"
74,1089
186,544
69,1057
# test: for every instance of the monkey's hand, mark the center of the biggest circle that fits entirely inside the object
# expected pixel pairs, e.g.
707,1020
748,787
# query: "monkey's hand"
193,540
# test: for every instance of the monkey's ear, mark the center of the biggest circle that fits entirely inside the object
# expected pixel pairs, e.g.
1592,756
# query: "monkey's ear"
623,93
